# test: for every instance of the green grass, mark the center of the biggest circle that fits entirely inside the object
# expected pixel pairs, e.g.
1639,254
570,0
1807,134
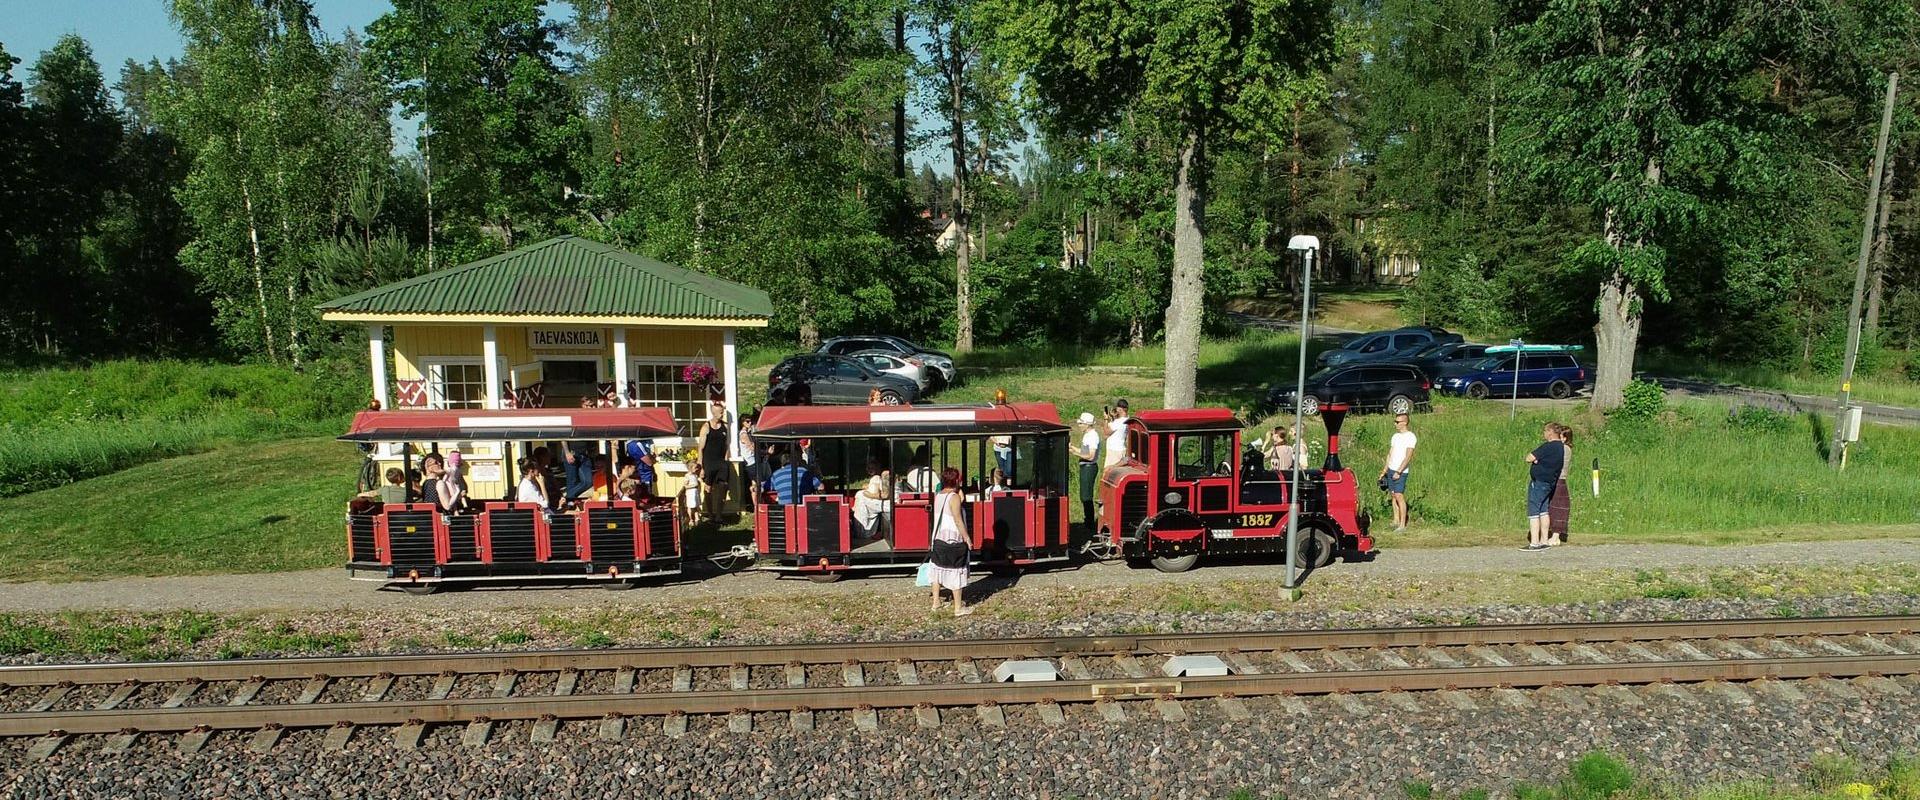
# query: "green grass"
257,508
1598,776
1887,386
1685,477
62,425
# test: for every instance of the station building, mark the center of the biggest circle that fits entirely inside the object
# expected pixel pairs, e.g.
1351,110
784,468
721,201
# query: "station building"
557,324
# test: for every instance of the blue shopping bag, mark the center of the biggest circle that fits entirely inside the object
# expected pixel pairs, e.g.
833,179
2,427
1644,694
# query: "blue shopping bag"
924,577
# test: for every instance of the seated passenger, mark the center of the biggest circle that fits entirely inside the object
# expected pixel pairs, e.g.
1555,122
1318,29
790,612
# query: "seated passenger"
396,489
533,487
919,477
450,493
996,482
870,503
792,481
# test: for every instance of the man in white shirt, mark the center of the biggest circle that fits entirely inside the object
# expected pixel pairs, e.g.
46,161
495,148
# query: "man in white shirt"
1394,473
1117,434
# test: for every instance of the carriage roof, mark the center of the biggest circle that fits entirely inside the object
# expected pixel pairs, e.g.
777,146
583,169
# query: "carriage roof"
819,422
511,425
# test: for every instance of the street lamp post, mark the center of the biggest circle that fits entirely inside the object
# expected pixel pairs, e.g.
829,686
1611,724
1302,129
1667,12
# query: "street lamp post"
1308,247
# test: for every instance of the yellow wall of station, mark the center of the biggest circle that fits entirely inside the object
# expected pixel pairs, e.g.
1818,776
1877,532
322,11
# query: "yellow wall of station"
413,344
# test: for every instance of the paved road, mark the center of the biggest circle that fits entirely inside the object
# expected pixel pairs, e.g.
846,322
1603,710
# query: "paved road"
329,589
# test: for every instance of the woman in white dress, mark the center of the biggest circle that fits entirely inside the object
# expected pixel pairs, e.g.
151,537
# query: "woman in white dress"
948,527
870,503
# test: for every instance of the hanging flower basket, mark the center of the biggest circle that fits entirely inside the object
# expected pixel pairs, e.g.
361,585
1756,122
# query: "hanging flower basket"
697,374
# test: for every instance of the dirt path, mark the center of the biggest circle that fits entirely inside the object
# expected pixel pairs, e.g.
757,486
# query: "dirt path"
321,590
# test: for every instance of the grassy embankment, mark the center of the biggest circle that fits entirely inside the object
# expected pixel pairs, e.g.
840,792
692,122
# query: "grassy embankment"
58,426
250,505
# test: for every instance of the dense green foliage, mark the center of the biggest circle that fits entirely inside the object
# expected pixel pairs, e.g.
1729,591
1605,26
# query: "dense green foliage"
1696,172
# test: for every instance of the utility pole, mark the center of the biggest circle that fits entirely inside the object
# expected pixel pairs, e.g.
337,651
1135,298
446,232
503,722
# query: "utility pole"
1836,451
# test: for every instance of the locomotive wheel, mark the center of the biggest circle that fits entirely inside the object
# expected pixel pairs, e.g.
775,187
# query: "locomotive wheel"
1478,391
826,577
1318,549
1559,390
618,586
1175,563
1400,404
420,589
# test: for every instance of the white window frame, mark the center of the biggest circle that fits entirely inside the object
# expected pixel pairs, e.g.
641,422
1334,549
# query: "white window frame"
633,374
435,397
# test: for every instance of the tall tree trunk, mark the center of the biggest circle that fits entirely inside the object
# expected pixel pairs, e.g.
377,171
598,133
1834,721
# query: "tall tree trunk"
259,271
1184,306
426,160
900,103
809,327
1617,333
1882,241
962,247
1293,172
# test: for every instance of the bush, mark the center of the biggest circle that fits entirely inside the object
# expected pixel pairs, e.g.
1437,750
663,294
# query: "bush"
1758,419
1642,400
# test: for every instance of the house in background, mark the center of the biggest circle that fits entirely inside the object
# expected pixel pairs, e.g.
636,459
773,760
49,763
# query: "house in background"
1383,257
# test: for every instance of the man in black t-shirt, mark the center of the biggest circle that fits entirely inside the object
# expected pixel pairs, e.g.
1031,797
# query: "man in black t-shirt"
1544,471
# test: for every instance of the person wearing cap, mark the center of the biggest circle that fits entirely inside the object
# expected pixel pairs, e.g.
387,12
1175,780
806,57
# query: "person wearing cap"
1117,433
1089,455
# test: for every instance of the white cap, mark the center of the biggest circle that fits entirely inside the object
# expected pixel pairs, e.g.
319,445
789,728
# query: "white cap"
1086,418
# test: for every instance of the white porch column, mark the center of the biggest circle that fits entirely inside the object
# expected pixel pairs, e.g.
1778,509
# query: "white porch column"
490,353
727,373
620,366
377,354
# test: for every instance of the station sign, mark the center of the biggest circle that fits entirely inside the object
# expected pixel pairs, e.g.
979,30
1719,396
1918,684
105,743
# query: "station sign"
566,338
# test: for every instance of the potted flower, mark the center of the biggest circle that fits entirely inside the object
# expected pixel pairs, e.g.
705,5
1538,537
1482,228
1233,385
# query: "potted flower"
697,373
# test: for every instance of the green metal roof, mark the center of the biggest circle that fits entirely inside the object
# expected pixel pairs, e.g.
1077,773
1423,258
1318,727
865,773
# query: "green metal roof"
563,276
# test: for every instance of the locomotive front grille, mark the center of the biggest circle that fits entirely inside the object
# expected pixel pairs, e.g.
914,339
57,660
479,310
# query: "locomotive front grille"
776,516
360,538
410,538
610,535
660,534
512,534
1050,518
1133,507
463,546
823,527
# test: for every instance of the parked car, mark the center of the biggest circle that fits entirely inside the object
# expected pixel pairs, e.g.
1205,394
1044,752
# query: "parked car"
1395,388
942,363
815,379
1438,358
1554,374
1393,345
895,364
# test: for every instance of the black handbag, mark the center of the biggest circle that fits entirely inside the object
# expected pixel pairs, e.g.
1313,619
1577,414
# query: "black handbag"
945,554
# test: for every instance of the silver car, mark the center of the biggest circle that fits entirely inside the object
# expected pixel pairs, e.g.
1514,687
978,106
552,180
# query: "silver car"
908,367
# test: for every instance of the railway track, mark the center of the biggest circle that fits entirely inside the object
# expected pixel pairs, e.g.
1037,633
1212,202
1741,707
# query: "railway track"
610,690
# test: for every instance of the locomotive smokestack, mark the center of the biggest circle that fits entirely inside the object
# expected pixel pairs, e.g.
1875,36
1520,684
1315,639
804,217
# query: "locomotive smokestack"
1333,416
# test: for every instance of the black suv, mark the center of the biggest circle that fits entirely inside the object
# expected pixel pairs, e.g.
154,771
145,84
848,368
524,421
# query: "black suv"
1395,388
834,380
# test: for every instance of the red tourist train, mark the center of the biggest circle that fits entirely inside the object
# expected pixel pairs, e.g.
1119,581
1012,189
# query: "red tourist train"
413,546
1188,489
826,533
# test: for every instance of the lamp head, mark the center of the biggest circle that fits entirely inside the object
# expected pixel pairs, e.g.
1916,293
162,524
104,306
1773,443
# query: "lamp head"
1303,242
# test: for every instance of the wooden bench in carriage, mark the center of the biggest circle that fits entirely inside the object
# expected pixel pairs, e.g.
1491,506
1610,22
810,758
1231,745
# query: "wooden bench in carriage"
820,536
415,547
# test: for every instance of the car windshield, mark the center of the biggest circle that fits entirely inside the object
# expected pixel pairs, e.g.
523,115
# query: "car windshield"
1431,350
1320,375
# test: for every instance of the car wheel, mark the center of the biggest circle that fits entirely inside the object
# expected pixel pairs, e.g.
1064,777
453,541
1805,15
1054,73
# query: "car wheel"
889,397
1559,390
1479,391
1400,404
1310,405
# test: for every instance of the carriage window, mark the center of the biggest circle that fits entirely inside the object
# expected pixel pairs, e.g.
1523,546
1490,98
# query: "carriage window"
913,465
1042,463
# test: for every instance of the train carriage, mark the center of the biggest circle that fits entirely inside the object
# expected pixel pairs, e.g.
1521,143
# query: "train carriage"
1189,488
413,546
827,534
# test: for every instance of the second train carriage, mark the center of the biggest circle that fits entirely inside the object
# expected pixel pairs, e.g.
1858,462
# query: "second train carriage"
414,546
823,534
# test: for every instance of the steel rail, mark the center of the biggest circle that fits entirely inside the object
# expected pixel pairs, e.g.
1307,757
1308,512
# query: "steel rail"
835,653
591,706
